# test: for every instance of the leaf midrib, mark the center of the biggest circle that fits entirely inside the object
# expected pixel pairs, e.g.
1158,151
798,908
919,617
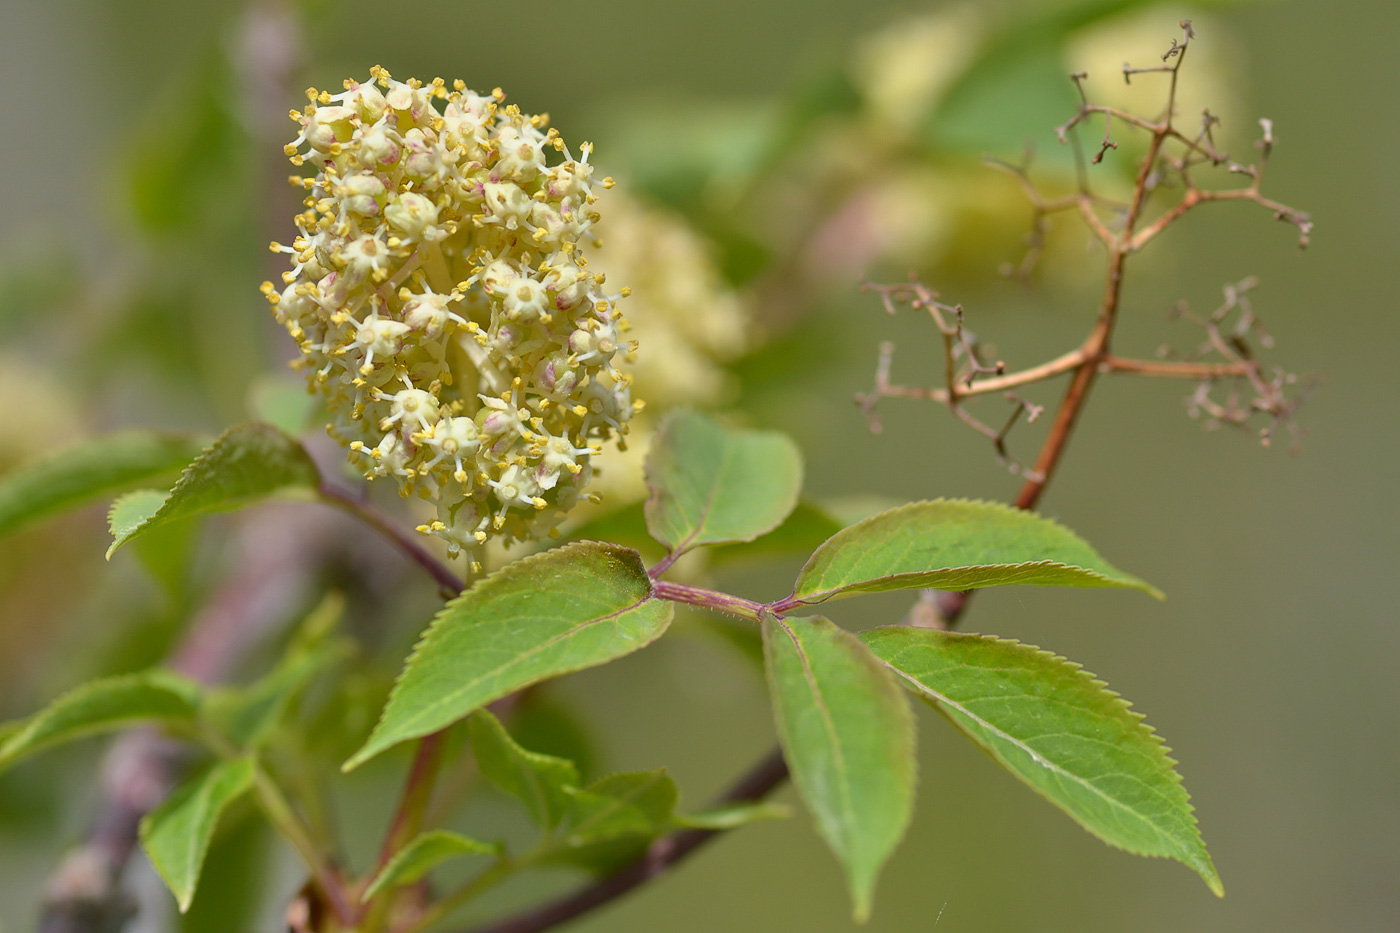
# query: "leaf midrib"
1039,759
823,595
448,698
848,807
726,454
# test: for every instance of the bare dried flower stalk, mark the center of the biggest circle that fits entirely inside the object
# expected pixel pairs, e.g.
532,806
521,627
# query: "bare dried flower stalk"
1233,388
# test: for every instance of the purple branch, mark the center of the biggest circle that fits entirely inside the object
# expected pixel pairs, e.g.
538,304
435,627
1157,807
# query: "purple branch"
658,859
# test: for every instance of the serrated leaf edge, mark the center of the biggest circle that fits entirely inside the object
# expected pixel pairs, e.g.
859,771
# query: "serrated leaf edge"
469,846
197,461
1128,580
655,490
863,900
1076,670
440,616
185,898
44,462
12,738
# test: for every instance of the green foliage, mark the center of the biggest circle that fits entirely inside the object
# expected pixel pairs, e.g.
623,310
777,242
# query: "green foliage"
102,706
575,607
86,472
424,853
1058,729
848,737
613,819
710,485
733,816
632,803
543,783
246,463
953,544
246,715
805,527
176,834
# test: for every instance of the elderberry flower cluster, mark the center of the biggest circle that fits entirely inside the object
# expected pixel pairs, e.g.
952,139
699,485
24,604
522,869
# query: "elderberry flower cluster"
444,308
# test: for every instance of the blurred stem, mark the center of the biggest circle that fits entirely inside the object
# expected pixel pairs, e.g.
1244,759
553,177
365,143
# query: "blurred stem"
407,820
280,813
448,582
658,859
473,887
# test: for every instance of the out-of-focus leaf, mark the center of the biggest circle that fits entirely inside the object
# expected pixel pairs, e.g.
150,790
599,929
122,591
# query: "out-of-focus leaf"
805,528
571,608
733,816
104,705
246,715
197,127
711,485
543,783
954,544
633,803
247,462
548,726
425,852
626,526
88,471
1059,730
848,738
176,834
282,403
1019,90
235,869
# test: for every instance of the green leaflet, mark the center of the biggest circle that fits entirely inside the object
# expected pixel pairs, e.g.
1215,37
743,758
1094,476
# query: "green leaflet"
247,462
571,608
102,706
710,485
1062,732
732,816
92,469
246,715
952,544
806,527
543,783
848,737
632,803
424,853
176,834
615,818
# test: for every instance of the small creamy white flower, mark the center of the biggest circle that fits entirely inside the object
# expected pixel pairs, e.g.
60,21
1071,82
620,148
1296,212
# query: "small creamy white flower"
436,285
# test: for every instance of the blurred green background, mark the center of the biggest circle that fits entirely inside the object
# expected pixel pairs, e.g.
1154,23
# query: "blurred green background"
140,192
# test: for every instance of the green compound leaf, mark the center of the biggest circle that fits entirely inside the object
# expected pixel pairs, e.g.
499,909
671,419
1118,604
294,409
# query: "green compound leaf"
633,803
542,782
571,608
953,544
92,469
711,485
176,834
1058,729
848,736
424,853
247,462
102,706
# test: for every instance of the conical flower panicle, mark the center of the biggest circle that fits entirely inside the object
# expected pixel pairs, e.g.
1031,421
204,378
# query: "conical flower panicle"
444,308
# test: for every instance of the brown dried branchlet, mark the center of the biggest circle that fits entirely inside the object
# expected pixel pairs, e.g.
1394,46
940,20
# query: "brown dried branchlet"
1233,387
